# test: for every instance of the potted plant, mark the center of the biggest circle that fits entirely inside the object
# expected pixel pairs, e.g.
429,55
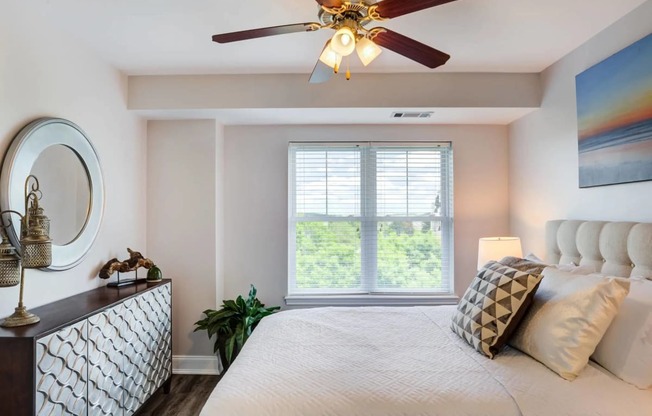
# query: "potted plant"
233,323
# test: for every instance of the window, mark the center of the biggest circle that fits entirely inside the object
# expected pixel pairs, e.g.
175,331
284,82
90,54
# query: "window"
370,218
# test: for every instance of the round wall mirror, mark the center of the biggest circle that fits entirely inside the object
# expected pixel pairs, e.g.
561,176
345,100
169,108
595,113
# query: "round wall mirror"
63,159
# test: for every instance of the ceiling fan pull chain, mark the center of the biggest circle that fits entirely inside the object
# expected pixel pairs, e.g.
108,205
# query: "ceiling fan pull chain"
348,71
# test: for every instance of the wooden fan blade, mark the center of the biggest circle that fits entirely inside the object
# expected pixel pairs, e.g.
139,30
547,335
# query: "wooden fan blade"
392,8
265,31
410,48
321,72
329,3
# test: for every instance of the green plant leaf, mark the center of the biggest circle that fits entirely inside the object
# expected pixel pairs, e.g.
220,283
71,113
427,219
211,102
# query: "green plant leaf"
221,315
230,343
248,321
242,306
252,293
240,336
230,304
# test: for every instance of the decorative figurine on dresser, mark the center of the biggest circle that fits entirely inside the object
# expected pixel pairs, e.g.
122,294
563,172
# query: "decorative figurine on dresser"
101,352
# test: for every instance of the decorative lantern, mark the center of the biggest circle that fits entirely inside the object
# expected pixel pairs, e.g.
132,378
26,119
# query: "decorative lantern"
9,263
36,251
35,241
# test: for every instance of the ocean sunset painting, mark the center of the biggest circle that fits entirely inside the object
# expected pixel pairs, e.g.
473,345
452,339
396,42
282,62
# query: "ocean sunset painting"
614,117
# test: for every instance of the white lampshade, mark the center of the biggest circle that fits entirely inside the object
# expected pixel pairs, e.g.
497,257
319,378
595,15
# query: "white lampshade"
495,248
367,51
330,57
343,41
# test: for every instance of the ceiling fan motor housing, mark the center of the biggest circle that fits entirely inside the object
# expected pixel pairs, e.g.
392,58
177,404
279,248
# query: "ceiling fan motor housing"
348,11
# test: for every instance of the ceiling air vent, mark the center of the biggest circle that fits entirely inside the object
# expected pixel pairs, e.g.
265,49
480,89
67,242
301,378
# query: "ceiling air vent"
413,114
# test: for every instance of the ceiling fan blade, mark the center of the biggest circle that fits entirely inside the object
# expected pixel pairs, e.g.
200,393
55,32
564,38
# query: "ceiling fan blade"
329,3
265,31
392,8
410,48
321,72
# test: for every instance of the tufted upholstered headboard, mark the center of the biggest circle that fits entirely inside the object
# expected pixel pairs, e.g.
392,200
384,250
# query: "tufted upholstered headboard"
613,248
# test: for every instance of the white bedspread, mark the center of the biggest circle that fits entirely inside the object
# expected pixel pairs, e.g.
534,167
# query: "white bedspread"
399,361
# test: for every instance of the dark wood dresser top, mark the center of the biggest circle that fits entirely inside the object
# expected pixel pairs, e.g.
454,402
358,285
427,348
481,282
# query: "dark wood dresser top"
66,311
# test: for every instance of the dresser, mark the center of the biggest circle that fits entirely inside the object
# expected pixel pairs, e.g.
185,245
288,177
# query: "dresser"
102,352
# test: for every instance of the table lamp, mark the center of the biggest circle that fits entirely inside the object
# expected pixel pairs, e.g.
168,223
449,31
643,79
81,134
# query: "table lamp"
495,248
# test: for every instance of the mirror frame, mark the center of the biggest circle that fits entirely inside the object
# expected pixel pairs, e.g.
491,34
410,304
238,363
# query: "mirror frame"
25,148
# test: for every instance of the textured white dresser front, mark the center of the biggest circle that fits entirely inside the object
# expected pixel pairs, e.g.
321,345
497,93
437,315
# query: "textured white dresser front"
62,372
109,363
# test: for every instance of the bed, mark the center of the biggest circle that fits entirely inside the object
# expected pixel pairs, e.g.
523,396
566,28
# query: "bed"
407,361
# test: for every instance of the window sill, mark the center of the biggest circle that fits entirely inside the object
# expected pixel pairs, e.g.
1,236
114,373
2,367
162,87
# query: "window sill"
370,300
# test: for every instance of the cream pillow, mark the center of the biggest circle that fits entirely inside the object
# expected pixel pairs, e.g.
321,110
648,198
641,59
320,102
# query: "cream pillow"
626,348
568,317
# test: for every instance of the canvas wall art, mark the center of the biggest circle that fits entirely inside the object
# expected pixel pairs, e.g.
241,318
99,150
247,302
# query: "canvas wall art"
614,116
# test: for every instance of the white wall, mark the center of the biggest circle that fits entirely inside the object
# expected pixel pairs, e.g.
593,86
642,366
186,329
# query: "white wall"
255,196
543,148
185,220
46,73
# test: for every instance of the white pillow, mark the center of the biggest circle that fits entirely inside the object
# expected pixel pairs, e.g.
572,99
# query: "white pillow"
626,348
533,257
570,267
569,315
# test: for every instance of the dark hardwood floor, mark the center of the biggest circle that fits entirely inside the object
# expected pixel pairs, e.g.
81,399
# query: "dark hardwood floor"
186,398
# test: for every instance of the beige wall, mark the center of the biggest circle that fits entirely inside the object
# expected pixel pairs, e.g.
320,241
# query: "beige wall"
184,221
543,148
45,73
426,90
255,196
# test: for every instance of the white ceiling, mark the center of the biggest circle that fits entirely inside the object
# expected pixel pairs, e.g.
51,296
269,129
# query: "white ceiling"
174,36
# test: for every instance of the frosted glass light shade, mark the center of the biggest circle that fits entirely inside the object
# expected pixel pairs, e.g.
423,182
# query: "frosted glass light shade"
495,248
330,57
367,51
343,41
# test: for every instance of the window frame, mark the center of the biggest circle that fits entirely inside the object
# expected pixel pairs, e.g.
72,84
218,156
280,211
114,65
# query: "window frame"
369,295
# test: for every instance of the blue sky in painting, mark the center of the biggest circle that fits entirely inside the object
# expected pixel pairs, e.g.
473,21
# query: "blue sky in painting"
607,86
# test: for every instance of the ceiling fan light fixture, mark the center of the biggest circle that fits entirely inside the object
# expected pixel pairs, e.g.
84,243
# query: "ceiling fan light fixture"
367,50
343,41
330,57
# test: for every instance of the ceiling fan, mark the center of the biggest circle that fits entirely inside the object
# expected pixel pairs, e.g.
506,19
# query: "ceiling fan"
349,20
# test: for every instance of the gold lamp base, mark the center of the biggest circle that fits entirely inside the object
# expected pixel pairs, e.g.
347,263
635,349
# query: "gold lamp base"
20,318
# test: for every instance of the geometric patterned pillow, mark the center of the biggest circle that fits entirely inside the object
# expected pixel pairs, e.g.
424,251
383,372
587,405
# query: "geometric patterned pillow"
493,306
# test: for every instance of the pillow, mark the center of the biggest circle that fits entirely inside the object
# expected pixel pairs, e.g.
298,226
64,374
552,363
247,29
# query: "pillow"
626,348
533,257
569,315
492,306
524,265
532,264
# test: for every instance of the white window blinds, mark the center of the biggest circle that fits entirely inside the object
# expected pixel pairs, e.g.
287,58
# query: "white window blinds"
370,218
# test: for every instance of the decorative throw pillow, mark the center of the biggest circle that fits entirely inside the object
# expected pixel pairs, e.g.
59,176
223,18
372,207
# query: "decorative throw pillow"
569,315
493,305
626,348
524,265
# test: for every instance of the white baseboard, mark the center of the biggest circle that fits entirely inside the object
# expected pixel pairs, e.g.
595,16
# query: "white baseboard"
195,364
